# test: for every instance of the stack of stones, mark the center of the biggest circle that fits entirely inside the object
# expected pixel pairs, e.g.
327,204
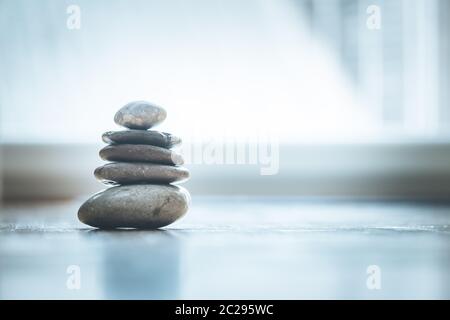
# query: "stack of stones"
142,170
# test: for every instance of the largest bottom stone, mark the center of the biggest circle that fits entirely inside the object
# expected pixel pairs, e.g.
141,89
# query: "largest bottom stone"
146,206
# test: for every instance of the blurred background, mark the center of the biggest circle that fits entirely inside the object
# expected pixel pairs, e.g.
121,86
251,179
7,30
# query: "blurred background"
353,92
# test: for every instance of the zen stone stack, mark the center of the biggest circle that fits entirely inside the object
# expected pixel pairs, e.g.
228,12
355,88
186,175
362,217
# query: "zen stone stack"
141,171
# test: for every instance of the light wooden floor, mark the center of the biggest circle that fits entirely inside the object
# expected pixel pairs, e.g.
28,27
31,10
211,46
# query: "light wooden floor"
232,248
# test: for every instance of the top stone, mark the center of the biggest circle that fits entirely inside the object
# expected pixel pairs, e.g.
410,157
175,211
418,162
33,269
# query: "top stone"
140,115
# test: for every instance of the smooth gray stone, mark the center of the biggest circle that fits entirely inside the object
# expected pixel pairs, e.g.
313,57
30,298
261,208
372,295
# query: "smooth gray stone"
132,173
140,115
144,206
140,153
154,138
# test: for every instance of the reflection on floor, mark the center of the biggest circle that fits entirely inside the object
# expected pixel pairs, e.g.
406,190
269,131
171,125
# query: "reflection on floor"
232,248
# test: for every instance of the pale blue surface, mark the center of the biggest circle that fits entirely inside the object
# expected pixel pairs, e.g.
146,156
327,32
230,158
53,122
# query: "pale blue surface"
233,248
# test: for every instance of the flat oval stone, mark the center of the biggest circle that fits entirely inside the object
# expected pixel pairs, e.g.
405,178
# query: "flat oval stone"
144,206
154,138
140,115
132,173
140,153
